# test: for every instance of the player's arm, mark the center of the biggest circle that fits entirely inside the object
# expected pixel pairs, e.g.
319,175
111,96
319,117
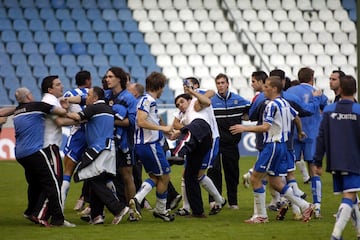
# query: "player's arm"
202,100
176,124
144,123
7,111
238,128
301,133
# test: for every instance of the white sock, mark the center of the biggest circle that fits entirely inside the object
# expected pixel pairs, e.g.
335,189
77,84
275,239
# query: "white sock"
161,202
342,217
186,204
275,196
294,199
293,184
64,190
355,217
259,203
145,188
295,209
303,169
209,186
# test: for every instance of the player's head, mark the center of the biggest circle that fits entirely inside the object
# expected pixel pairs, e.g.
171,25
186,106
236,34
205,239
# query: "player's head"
257,80
347,85
23,95
273,86
306,75
182,101
52,84
83,79
116,76
195,82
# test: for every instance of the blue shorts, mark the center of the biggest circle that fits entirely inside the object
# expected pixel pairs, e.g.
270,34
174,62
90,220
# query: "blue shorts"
290,156
76,145
346,183
153,158
211,155
306,149
272,159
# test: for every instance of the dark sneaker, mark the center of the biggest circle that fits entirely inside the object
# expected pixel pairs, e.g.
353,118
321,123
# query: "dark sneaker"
166,217
183,212
282,211
175,160
136,208
175,202
215,210
132,218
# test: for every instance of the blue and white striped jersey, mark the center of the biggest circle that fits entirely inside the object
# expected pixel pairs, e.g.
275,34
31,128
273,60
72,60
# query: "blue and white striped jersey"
148,104
279,114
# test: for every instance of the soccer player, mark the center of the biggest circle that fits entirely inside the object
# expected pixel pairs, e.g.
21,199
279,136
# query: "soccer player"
98,163
339,139
272,160
149,141
75,144
36,159
310,124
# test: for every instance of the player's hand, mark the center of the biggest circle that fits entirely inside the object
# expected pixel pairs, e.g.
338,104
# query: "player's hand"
174,135
238,128
302,135
317,93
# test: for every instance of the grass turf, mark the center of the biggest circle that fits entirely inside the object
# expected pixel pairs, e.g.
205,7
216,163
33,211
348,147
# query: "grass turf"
228,224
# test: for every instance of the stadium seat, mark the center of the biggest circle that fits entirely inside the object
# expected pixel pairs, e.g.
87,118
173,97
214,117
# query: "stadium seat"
316,48
151,37
47,13
23,70
31,13
63,14
349,4
94,48
170,15
99,25
347,48
173,48
100,60
213,37
77,13
136,37
332,26
51,60
293,37
340,37
191,26
15,13
301,26
52,24
126,49
207,26
84,61
311,37
157,49
83,25
73,37
5,24
46,47
308,59
41,37
263,37
57,36
277,59
219,48
200,14
325,14
13,47
331,49
121,37
110,49
18,59
278,37
4,59
132,61
348,26
62,48
148,60
130,26
116,60
142,49
323,60
36,25
325,37
8,36
186,14
78,48
198,37
109,14
68,60
195,60
93,13
40,71
115,26
35,59
25,36
286,26
226,60
204,48
271,26
105,37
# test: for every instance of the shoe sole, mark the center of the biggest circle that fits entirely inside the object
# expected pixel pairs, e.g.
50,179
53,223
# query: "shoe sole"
132,205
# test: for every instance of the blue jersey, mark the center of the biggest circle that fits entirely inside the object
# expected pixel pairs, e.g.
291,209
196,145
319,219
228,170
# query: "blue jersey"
98,128
29,124
310,124
339,137
279,114
228,111
127,100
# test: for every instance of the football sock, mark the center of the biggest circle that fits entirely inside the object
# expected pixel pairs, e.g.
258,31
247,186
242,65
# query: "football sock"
65,188
259,202
292,183
145,188
161,202
303,169
316,189
275,196
342,217
209,186
355,216
186,204
294,199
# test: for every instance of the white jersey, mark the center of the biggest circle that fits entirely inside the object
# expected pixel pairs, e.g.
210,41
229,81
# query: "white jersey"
53,133
206,114
142,135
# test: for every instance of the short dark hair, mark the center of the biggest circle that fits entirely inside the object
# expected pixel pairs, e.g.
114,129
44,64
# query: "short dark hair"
347,85
47,83
278,72
222,75
99,92
305,75
275,81
193,80
341,73
81,77
259,76
183,95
